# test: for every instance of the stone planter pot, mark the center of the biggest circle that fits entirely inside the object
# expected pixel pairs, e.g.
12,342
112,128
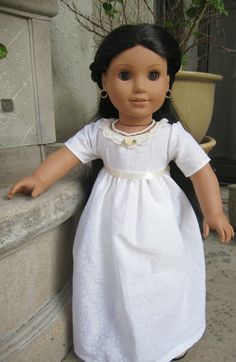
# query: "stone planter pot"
232,205
193,99
208,143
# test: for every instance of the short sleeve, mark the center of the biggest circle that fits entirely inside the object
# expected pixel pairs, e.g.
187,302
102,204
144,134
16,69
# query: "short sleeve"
185,151
84,143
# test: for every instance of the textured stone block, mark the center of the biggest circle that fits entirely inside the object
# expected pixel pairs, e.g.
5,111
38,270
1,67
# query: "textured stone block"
25,79
35,270
31,275
47,336
18,162
42,7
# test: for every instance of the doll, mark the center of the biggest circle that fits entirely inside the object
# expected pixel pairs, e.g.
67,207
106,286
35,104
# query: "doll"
139,273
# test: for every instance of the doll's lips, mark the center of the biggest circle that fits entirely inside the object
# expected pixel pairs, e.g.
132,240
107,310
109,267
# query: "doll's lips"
139,100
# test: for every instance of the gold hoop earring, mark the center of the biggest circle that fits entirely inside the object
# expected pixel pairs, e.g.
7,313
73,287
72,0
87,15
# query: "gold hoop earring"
169,93
103,93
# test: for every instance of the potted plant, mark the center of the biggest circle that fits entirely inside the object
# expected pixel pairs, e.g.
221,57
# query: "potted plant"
193,92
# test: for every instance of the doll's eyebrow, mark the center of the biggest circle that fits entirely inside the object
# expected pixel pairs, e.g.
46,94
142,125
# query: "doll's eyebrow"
155,65
124,65
132,66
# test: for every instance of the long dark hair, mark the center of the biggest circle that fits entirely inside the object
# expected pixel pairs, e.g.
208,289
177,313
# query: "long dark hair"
150,36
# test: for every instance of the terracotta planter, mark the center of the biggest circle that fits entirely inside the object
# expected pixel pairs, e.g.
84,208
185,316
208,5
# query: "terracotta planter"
193,99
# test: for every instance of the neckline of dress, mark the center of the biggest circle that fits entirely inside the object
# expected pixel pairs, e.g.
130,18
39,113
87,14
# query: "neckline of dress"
151,126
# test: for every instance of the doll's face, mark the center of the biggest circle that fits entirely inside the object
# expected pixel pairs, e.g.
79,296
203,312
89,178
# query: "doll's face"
136,82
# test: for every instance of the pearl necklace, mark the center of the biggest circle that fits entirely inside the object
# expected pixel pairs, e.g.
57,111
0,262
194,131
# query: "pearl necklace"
113,127
130,139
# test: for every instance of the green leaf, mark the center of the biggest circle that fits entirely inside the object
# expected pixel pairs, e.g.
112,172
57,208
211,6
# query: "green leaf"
219,6
3,51
196,34
168,24
184,60
112,13
200,3
107,7
192,12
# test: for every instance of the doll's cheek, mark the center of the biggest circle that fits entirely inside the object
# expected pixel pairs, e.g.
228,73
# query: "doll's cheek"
103,80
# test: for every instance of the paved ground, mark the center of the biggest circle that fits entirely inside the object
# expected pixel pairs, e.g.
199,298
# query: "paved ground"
219,341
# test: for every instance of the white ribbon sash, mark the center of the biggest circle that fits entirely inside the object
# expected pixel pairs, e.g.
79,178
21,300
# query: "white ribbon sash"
136,175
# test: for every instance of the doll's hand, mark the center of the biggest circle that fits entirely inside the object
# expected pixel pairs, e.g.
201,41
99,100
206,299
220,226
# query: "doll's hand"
220,224
29,185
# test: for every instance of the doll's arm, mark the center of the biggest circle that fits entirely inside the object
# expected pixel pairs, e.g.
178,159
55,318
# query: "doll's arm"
208,193
55,166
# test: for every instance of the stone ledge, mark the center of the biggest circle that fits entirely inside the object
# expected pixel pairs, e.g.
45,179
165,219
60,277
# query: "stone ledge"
42,7
23,217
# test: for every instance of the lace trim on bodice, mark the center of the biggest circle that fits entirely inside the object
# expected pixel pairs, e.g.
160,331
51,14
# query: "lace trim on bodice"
132,140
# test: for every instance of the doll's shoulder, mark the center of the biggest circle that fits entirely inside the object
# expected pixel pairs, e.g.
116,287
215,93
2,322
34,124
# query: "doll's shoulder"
168,126
93,127
175,126
178,131
100,123
177,135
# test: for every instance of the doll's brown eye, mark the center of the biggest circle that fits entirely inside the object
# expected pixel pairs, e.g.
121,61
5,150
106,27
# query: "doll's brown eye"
124,75
153,75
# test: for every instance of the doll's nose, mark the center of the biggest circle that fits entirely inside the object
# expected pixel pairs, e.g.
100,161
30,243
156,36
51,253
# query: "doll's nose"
139,85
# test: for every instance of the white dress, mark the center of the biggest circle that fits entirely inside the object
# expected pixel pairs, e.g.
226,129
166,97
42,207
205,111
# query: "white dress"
139,273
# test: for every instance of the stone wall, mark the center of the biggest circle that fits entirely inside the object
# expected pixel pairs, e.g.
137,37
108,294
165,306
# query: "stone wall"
75,94
43,56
